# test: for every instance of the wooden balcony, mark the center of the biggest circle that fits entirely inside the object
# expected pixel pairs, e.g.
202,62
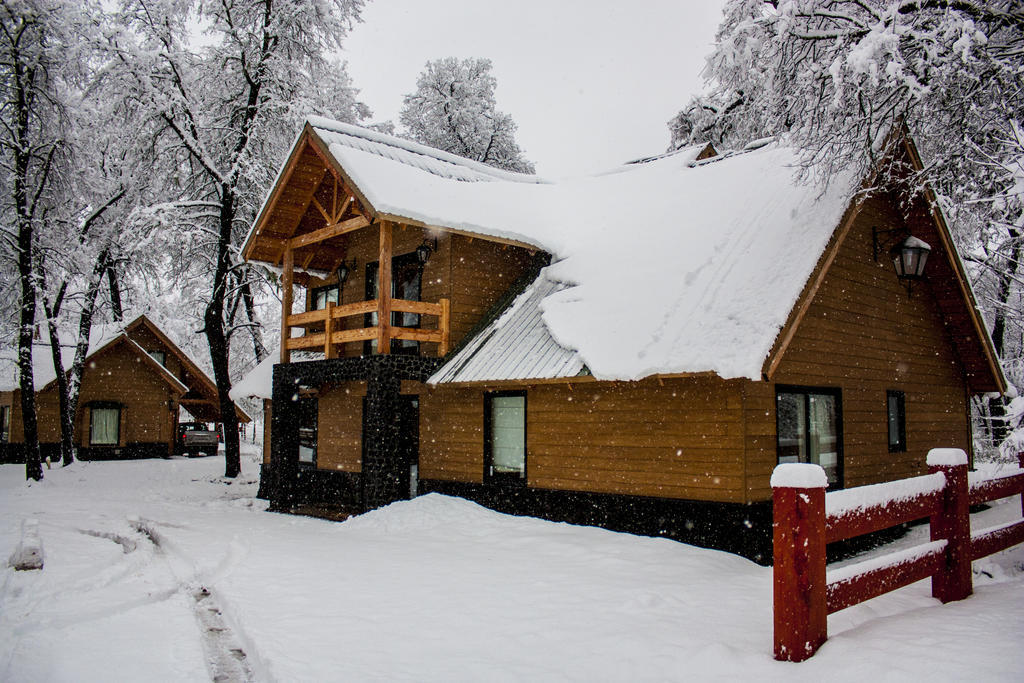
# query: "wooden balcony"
329,335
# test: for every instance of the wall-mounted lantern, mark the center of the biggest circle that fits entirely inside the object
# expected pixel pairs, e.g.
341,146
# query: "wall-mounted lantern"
909,256
343,270
424,251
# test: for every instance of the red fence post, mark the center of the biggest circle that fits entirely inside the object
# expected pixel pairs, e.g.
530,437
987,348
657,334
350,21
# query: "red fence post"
1020,463
953,523
801,616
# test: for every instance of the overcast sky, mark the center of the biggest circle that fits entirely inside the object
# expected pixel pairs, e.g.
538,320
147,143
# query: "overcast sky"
590,84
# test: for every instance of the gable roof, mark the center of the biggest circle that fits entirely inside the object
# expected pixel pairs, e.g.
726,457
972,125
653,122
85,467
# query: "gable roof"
675,264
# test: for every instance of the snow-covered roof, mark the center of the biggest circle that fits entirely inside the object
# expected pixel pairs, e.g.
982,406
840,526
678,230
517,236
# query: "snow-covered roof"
42,360
258,382
515,346
412,154
670,265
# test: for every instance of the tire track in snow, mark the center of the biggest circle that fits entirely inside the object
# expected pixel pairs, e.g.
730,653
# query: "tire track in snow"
226,659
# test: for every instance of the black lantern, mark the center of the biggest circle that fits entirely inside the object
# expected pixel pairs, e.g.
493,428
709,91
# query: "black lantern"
424,250
909,258
343,271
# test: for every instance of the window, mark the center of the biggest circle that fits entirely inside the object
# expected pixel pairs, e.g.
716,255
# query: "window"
406,278
505,437
159,356
5,424
319,296
809,429
104,424
896,411
308,415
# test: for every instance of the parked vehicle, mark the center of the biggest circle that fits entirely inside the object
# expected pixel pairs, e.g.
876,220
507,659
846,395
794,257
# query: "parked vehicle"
196,438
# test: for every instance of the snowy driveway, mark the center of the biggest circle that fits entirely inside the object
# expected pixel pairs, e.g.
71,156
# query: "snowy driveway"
158,570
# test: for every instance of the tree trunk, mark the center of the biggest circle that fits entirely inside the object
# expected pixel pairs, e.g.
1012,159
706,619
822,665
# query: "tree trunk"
67,422
115,295
1000,428
215,336
26,276
259,349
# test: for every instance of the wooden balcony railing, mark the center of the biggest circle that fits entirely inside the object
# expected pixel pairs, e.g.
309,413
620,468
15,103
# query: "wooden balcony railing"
331,336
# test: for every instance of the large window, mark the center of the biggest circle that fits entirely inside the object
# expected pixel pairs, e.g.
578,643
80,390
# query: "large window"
104,424
896,413
809,429
406,278
505,437
309,413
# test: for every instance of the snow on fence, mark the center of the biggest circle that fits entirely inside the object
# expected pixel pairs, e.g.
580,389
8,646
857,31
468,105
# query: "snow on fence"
806,520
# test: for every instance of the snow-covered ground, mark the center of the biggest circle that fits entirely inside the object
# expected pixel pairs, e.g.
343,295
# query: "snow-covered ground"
161,570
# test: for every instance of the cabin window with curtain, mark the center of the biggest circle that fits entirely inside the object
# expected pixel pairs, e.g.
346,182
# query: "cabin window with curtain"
896,413
809,429
406,281
5,424
505,437
309,413
104,424
320,296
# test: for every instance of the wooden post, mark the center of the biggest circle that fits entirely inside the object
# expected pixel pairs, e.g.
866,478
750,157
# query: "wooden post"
384,290
1020,463
800,609
329,330
446,328
953,523
287,281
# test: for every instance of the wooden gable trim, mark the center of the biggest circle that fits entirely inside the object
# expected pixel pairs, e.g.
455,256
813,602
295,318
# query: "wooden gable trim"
806,298
981,331
205,384
179,387
275,192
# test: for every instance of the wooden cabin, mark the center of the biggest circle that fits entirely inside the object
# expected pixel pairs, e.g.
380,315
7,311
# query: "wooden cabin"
635,350
134,384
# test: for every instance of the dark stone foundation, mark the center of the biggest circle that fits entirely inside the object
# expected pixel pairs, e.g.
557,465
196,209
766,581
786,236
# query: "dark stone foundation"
380,482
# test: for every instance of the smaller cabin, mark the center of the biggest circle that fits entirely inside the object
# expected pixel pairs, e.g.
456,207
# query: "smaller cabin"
135,384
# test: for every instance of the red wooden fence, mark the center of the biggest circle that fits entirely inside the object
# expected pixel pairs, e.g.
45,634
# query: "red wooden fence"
806,519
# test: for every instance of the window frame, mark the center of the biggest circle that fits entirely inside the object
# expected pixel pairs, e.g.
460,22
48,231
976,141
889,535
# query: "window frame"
105,405
837,394
490,477
304,411
159,356
901,419
324,288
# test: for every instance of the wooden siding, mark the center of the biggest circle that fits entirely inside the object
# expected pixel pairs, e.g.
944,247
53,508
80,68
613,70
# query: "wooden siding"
268,414
864,334
680,438
117,375
340,428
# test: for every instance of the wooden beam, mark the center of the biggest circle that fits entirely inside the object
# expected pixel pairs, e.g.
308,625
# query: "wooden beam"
328,232
328,218
286,303
444,323
384,289
329,330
